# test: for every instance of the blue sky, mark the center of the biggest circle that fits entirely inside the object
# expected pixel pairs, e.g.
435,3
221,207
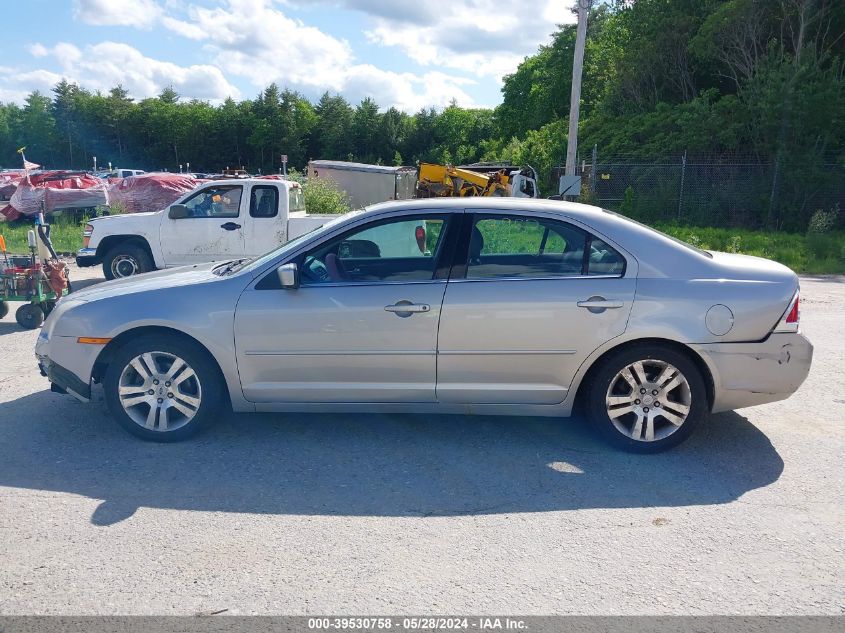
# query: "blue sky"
408,54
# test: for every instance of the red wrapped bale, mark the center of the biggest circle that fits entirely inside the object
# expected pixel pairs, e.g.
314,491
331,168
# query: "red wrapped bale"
149,192
8,183
53,190
9,213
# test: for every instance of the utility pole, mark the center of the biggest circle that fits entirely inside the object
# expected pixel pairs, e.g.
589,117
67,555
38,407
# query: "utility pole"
575,96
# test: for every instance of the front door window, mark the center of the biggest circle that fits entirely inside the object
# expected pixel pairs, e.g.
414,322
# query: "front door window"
215,202
399,250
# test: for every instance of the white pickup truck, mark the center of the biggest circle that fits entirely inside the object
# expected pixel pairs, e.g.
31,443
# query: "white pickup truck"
220,220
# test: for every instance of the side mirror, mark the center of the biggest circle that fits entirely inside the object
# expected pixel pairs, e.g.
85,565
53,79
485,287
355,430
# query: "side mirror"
288,276
178,211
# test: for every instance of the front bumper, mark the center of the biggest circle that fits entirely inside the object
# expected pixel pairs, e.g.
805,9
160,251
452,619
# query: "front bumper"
87,257
64,379
748,374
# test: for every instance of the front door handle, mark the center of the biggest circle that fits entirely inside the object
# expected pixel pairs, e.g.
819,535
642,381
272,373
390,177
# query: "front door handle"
230,226
597,304
406,308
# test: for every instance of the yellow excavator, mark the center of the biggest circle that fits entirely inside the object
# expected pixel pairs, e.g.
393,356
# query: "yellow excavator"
445,181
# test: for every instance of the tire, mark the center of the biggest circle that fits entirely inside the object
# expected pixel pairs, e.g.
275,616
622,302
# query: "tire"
647,422
199,396
125,260
4,309
29,316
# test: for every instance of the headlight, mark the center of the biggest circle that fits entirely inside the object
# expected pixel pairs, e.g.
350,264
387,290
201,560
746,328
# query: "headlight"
86,235
44,336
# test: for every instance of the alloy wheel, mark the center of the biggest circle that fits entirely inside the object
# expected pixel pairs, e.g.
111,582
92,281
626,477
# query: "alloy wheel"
648,400
159,391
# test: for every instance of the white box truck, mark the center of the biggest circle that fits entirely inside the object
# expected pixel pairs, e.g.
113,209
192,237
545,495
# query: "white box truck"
367,184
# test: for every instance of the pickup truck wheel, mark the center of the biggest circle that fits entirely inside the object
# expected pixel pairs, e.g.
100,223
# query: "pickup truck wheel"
4,309
125,260
163,389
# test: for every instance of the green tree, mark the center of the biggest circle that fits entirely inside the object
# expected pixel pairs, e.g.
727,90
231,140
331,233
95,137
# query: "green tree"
332,138
365,131
37,129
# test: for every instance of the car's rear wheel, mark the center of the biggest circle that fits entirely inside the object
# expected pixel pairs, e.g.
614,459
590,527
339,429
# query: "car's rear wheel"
163,388
646,399
126,260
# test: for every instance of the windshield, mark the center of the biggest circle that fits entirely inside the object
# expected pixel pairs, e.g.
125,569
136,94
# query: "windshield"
290,245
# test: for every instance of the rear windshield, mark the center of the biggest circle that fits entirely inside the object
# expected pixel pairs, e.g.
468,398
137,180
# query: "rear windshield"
296,200
666,235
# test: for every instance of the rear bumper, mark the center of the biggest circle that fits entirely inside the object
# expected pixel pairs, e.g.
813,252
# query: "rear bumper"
87,257
748,374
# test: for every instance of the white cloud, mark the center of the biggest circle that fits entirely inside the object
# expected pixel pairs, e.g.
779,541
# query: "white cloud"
17,84
405,91
185,29
107,64
481,37
255,40
251,39
140,13
477,35
457,45
110,63
38,50
67,55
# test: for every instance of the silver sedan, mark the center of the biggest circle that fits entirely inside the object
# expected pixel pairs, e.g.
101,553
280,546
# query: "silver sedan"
491,306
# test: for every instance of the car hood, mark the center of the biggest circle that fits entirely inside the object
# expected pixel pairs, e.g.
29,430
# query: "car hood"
735,266
169,278
122,217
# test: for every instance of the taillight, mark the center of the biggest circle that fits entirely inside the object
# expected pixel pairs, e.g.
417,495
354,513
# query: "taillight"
792,317
419,234
789,322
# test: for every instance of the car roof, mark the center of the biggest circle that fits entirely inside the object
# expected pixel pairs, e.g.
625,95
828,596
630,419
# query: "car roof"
571,209
590,215
247,181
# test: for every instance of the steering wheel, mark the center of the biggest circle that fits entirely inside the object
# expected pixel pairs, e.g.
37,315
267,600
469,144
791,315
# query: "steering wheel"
315,270
335,268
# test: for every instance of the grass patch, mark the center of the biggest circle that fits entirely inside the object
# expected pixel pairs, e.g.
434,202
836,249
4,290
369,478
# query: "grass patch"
816,253
66,234
812,254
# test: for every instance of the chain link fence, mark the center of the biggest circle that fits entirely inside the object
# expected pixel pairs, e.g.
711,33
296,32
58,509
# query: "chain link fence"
737,191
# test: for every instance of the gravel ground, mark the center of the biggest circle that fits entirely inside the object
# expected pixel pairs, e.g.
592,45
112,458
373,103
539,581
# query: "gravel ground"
390,514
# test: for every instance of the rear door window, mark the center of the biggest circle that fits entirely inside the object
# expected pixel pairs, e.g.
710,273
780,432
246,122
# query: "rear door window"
264,202
523,247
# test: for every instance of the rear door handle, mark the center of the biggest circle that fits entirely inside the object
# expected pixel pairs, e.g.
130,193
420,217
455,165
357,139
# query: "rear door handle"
597,304
406,308
230,226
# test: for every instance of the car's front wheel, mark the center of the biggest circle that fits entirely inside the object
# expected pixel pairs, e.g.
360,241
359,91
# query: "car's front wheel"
646,399
163,388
